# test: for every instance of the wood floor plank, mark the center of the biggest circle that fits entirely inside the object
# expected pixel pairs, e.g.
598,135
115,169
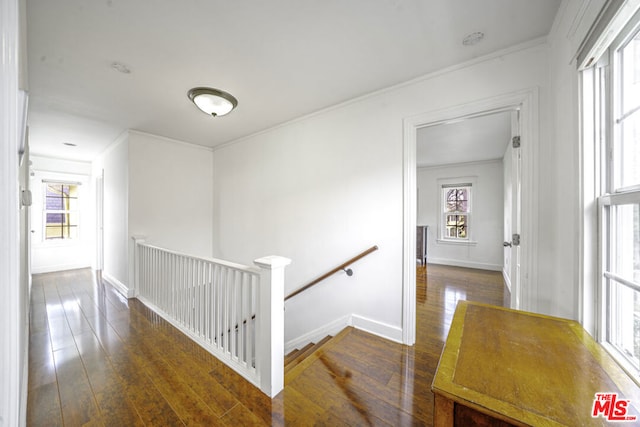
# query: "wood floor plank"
218,398
41,364
44,406
269,410
159,348
76,397
393,393
38,316
115,407
239,415
300,408
353,360
60,333
152,407
353,390
188,405
141,392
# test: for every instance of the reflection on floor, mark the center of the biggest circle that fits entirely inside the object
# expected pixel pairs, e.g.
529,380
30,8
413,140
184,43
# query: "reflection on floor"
97,358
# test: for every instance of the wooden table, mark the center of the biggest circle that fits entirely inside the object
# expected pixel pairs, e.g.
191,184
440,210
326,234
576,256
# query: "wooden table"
507,367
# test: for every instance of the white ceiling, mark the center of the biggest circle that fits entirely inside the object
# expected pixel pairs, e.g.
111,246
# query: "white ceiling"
463,141
281,59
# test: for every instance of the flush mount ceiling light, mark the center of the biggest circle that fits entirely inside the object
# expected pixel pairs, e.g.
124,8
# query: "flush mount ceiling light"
473,38
211,101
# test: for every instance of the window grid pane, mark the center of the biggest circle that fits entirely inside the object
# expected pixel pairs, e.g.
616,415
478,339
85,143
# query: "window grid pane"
456,226
457,200
61,216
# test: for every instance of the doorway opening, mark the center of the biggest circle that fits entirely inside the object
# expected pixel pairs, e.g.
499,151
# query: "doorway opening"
523,105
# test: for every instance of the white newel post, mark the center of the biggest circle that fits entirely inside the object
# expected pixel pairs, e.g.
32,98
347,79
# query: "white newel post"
270,325
136,264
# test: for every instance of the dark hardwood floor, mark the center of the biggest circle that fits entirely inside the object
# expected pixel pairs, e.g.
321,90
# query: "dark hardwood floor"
99,359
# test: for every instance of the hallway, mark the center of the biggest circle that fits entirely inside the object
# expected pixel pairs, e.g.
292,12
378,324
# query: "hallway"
97,358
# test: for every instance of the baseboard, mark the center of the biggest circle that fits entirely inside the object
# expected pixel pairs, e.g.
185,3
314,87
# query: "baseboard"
383,330
54,268
118,285
465,264
507,280
316,335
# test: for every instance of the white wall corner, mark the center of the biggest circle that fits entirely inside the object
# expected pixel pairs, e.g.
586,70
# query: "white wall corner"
383,330
409,223
118,285
316,335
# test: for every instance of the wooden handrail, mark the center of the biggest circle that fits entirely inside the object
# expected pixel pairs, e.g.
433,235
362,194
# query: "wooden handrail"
334,271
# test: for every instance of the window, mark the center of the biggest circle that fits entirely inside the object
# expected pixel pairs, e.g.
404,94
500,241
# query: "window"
616,99
456,211
60,210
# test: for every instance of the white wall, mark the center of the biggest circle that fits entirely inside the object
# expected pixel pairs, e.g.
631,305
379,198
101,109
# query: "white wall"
114,162
485,250
322,188
171,193
157,188
57,255
564,290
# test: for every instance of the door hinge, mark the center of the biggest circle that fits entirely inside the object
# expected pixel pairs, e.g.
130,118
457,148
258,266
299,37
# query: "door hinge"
515,141
515,240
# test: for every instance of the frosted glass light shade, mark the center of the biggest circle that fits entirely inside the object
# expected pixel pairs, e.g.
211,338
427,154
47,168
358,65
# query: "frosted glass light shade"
211,101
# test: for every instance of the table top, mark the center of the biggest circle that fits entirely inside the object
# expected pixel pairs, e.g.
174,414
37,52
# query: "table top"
527,368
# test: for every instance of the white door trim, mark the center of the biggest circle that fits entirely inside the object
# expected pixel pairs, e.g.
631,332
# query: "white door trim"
527,102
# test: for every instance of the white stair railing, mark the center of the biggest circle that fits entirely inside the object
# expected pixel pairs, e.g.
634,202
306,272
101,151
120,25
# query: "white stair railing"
235,312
